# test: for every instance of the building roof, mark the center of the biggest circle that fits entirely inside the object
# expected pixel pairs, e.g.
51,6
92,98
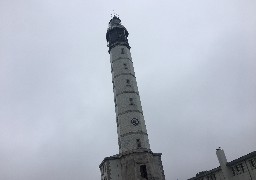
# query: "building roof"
118,156
236,161
205,173
243,158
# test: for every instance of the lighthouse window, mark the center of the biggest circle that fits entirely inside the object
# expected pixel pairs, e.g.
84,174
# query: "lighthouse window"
131,101
125,66
138,143
128,82
143,171
122,51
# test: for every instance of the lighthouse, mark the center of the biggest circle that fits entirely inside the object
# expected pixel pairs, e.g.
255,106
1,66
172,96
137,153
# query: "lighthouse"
135,160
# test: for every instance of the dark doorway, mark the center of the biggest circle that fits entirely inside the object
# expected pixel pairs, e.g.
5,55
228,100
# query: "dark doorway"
143,171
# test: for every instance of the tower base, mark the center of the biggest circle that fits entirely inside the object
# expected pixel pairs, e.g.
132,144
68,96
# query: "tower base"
141,164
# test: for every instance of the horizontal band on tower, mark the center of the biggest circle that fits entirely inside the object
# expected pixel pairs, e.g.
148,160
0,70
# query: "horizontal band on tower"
112,45
125,112
130,133
123,92
120,59
123,74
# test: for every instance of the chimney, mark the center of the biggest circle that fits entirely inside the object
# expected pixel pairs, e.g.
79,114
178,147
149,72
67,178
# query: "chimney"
223,163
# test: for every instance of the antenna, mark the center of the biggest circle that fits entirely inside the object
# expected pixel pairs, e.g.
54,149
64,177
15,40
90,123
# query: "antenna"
114,14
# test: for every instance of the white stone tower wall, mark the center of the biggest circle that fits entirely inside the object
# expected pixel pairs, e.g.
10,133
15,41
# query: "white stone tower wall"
125,88
115,169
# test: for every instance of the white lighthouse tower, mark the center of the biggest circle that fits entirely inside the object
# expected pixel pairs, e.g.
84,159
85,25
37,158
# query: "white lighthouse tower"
135,160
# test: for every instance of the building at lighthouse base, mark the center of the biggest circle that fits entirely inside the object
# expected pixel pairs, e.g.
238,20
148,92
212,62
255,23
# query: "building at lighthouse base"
138,164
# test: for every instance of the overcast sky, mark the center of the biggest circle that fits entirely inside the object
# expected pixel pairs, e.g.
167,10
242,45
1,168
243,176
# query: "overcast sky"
195,63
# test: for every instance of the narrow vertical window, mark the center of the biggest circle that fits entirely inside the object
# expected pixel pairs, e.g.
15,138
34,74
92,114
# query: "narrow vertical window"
117,123
214,176
138,143
242,167
143,171
233,171
238,169
131,101
128,82
122,51
125,66
253,164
